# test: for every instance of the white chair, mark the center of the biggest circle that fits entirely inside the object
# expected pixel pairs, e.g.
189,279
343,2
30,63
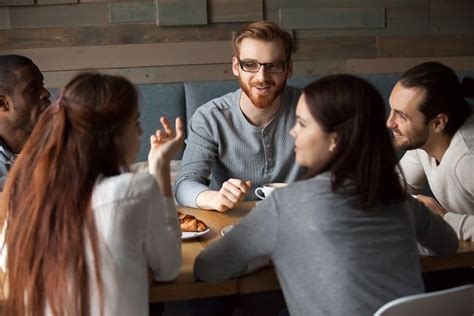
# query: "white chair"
457,301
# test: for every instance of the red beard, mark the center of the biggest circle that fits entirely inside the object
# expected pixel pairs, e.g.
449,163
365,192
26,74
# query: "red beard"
262,101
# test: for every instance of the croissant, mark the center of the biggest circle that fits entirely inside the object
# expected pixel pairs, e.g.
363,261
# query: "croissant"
189,223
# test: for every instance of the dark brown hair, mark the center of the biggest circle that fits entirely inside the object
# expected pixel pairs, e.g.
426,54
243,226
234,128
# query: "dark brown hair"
47,197
444,93
264,31
355,110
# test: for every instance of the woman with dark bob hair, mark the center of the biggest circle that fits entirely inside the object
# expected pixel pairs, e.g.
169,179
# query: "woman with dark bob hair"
343,240
80,232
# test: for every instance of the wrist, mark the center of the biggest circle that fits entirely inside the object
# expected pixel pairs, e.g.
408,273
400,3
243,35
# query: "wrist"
204,199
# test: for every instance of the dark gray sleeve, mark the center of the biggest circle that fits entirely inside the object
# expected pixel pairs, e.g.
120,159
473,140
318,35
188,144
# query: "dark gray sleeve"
432,232
248,246
198,158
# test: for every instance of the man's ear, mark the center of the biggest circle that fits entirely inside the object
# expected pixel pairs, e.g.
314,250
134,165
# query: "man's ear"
4,103
235,66
439,122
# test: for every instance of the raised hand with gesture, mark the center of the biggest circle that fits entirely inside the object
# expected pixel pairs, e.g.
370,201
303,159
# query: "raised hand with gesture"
164,145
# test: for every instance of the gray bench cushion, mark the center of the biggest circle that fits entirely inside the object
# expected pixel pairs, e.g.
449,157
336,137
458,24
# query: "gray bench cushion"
156,100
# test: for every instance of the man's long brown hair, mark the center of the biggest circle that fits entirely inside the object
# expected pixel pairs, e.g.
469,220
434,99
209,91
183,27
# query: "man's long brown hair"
47,199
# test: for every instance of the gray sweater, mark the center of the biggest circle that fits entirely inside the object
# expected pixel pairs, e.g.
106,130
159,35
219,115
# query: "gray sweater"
330,258
222,144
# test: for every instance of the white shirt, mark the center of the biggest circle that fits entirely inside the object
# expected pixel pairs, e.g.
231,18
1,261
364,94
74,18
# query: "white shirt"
451,181
137,228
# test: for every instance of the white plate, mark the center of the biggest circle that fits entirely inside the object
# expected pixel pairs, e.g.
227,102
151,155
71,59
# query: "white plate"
191,235
226,229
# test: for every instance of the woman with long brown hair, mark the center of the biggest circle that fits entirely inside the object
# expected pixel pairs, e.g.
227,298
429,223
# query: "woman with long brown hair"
79,230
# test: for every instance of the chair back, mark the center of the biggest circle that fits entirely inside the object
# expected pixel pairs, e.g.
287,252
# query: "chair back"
455,301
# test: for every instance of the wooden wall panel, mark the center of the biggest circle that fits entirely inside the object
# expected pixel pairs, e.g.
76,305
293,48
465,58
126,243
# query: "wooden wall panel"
399,65
452,16
334,48
318,67
115,34
110,1
225,11
45,2
16,2
434,45
332,18
402,16
127,12
4,19
181,12
139,55
148,75
59,15
64,38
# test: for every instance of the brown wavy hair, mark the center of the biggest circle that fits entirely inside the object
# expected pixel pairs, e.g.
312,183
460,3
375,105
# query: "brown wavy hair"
47,197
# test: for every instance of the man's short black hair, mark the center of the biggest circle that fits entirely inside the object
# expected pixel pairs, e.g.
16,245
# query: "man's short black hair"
8,66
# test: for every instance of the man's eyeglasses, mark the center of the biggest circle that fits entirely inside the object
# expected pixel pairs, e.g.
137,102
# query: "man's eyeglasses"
275,67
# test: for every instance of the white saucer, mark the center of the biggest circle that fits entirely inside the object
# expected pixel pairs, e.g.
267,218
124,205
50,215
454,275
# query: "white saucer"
191,235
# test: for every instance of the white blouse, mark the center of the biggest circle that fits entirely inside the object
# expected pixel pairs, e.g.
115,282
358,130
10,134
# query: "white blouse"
137,229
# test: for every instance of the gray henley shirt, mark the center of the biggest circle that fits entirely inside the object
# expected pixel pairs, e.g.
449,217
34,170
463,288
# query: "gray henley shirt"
222,144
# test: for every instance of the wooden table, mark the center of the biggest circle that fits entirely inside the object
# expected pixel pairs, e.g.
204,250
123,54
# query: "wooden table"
186,287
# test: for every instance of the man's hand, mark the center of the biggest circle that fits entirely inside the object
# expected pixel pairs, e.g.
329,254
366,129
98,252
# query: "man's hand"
432,204
231,192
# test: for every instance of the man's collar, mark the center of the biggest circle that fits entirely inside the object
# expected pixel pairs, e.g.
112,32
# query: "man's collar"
6,156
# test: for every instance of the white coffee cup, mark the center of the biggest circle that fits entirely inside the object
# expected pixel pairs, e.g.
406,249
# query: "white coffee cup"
267,189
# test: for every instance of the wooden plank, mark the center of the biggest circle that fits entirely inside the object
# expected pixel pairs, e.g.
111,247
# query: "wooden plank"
16,2
402,17
433,46
185,286
148,75
463,258
126,12
114,34
225,11
59,15
400,65
452,16
335,48
318,67
181,12
332,18
272,7
4,19
88,1
93,57
46,2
